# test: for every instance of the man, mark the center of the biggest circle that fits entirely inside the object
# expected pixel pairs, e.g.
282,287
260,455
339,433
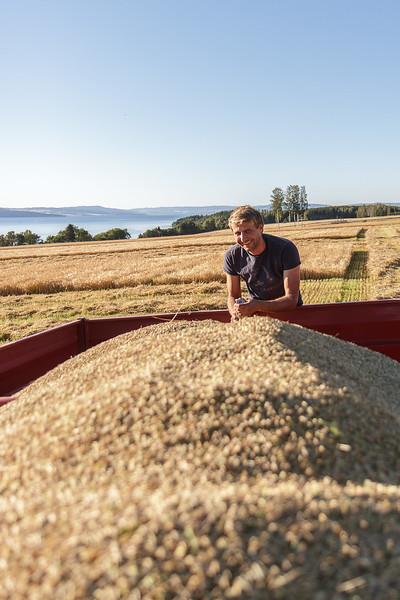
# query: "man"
269,265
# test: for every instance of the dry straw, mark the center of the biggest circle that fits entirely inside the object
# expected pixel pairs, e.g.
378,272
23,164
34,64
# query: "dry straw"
202,460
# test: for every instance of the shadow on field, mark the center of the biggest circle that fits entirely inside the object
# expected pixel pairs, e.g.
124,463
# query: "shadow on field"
357,267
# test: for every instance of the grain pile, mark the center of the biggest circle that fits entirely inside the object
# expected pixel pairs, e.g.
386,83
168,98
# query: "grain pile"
202,460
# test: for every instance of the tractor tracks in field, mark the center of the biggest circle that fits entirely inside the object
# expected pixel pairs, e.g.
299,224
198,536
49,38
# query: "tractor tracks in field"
355,284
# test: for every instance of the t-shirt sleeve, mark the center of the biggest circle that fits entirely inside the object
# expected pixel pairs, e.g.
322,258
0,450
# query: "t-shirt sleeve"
229,265
290,257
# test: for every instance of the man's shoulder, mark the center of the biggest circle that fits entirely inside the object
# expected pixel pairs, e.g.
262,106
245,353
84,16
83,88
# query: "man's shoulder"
232,260
277,241
234,250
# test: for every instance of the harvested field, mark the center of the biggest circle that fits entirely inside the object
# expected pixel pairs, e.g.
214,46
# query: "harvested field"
44,285
195,460
384,260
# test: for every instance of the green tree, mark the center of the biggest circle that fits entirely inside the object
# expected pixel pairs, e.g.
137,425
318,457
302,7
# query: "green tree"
31,238
197,223
19,239
187,227
11,238
277,200
362,211
81,235
380,210
209,224
55,239
303,201
292,201
158,232
70,235
113,234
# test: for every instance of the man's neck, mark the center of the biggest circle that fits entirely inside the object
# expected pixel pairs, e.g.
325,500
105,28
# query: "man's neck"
260,248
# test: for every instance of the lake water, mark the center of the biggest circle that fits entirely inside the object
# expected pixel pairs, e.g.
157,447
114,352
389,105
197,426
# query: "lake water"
52,225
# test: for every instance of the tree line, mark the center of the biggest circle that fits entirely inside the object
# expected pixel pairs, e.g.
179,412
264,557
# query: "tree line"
192,224
352,211
291,205
71,233
286,206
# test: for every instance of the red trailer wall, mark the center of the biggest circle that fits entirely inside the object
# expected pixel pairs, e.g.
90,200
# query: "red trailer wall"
27,359
375,325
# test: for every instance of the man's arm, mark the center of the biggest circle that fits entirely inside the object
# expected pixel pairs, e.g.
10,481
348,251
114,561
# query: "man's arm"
234,291
291,283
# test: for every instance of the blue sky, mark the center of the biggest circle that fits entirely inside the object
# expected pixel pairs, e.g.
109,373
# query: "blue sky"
160,103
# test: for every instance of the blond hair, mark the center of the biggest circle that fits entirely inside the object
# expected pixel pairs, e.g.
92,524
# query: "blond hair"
245,213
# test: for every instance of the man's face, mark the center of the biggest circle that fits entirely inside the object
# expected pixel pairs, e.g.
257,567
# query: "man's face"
249,236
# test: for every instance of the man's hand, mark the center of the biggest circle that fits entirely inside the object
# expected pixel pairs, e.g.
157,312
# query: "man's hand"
246,309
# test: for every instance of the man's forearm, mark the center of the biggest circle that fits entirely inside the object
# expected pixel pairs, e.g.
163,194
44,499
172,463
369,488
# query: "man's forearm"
283,303
231,303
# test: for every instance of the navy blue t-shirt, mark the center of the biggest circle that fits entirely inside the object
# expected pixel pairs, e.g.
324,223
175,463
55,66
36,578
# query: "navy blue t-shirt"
263,274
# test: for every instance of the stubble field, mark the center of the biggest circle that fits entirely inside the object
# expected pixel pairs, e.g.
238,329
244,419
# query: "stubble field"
41,286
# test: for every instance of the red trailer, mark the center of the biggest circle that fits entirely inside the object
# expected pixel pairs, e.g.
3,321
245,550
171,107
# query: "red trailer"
375,325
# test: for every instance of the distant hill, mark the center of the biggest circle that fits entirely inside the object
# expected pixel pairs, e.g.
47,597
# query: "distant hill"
139,214
103,211
11,213
173,212
187,211
64,211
